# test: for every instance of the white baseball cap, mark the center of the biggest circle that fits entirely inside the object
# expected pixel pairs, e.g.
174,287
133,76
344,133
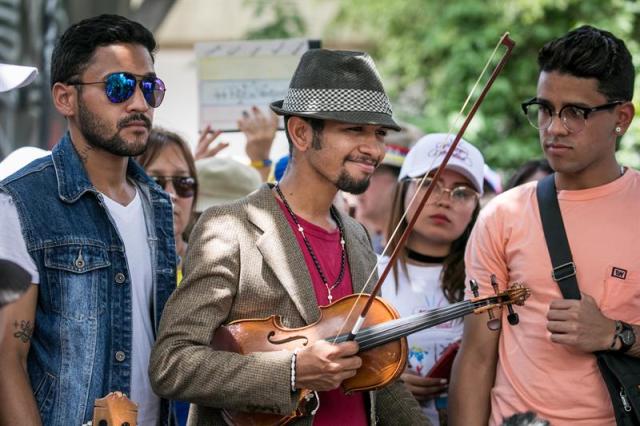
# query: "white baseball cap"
20,158
427,154
15,76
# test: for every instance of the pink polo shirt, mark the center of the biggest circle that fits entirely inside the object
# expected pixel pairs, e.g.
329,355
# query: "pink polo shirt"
336,408
560,383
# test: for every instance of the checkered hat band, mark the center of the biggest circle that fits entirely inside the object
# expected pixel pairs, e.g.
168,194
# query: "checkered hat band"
322,100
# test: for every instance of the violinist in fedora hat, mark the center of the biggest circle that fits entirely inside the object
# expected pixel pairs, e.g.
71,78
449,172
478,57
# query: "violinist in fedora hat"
285,250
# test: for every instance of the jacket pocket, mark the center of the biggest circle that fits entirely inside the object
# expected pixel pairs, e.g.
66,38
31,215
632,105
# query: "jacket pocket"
44,394
74,273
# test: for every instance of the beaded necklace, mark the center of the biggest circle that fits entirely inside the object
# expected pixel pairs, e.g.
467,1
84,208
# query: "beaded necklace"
343,257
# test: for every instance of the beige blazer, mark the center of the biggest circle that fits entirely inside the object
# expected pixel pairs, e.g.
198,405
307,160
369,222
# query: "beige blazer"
245,262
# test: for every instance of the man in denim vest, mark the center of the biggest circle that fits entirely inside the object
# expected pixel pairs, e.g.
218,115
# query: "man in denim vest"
95,234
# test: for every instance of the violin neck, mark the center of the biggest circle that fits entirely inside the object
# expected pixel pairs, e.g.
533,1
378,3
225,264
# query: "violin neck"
377,335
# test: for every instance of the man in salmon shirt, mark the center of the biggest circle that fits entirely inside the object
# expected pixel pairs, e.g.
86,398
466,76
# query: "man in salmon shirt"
546,363
286,250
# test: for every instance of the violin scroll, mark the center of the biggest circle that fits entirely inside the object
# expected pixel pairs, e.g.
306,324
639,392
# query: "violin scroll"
516,294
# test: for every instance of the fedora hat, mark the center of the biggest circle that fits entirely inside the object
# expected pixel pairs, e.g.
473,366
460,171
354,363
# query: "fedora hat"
337,85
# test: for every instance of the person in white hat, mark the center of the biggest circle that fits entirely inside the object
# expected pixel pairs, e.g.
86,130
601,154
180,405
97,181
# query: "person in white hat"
429,272
16,76
285,250
14,280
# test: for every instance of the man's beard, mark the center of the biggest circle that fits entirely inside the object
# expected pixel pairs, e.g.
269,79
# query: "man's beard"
345,181
348,184
94,131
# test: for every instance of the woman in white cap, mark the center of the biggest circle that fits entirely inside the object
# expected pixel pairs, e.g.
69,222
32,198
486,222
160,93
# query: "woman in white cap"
429,272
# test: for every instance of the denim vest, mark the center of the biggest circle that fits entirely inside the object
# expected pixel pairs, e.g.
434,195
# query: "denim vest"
81,346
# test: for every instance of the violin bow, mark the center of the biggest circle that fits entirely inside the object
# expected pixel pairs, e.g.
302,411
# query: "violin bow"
509,44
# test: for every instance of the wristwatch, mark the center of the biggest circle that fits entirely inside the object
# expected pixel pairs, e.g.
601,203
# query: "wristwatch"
626,335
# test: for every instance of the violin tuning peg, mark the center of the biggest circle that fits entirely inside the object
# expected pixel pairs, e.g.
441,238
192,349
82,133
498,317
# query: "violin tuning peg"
494,283
513,317
473,285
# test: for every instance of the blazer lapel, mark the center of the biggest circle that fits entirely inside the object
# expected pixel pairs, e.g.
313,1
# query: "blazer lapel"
281,252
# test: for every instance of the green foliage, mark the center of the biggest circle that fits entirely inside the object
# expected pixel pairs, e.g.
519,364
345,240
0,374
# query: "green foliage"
286,22
431,52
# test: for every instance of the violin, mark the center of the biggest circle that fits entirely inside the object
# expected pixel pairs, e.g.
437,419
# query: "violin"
382,341
115,409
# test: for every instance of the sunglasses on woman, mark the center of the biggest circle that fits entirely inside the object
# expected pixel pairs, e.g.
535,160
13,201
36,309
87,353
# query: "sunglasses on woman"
185,186
120,86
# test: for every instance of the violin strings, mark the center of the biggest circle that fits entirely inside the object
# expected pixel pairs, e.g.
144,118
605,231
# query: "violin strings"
382,333
391,330
361,293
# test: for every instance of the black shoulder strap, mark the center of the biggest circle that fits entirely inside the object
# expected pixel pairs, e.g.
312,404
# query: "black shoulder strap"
564,270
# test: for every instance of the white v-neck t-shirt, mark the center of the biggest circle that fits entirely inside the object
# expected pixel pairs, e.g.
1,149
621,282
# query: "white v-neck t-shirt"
131,225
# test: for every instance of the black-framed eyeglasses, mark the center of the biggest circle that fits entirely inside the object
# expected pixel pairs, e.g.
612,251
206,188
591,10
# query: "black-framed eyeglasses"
185,186
120,86
460,195
572,117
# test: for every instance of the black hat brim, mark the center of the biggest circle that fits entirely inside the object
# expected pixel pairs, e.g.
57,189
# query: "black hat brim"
356,117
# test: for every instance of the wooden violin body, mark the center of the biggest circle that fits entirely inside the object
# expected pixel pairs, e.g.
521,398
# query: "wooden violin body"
380,365
383,346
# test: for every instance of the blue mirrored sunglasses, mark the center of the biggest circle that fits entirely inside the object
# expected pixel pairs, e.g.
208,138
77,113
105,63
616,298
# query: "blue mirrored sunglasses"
120,86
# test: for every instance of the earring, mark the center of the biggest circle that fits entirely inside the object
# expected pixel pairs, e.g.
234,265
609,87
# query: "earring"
618,129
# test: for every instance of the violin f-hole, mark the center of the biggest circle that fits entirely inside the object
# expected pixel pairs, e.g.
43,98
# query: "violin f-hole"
270,339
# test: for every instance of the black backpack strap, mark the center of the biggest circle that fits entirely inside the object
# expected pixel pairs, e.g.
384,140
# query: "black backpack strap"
564,270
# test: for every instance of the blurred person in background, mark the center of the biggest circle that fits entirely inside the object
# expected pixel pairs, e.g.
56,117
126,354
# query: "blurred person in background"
260,131
429,272
14,279
223,180
373,207
169,162
530,171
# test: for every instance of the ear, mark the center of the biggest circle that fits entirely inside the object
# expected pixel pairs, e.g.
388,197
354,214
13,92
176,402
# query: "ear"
626,113
64,98
300,132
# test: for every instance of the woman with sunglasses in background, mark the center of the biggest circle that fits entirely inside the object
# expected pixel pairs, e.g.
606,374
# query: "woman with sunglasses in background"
429,272
168,160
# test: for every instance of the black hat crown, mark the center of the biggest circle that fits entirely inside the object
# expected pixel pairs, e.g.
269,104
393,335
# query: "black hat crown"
337,85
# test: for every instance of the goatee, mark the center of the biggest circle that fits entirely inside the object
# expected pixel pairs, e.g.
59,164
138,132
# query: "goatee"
94,130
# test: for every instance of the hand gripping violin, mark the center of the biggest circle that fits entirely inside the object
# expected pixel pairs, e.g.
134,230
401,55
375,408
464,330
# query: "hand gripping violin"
383,346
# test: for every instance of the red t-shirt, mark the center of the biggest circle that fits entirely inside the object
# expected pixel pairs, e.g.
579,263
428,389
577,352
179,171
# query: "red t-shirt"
336,408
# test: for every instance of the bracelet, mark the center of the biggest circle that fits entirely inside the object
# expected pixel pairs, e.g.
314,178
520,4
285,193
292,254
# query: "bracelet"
615,335
260,164
293,370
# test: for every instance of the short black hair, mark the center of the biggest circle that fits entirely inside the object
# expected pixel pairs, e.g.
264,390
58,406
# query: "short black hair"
589,52
75,48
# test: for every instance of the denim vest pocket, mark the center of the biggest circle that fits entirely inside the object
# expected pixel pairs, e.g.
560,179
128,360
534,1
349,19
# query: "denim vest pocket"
74,272
44,393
